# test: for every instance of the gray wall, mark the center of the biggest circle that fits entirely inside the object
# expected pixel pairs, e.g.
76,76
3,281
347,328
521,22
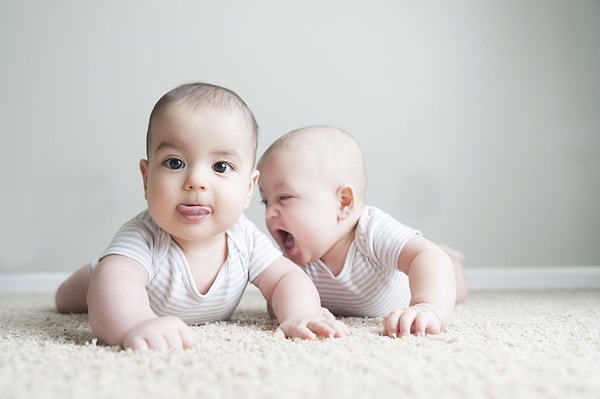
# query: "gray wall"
479,120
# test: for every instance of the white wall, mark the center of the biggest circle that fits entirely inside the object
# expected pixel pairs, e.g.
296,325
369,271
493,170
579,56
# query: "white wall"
479,120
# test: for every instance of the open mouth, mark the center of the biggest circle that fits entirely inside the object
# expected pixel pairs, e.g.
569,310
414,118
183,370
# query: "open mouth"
286,239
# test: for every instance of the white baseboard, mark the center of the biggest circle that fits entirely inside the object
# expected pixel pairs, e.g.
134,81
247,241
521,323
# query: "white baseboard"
478,279
31,283
551,277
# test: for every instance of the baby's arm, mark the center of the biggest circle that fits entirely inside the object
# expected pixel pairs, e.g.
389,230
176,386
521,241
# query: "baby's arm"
432,286
119,309
458,261
71,295
295,302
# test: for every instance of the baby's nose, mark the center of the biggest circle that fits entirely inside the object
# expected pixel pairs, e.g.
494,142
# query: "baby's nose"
271,212
196,180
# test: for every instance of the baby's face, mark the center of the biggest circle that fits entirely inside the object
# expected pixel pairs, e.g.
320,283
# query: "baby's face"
199,176
300,204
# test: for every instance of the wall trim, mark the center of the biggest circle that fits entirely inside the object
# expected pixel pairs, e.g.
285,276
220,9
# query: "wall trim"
31,283
482,278
538,277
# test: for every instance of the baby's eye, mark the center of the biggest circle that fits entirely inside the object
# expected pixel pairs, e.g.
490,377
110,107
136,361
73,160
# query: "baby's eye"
284,197
265,203
174,163
222,167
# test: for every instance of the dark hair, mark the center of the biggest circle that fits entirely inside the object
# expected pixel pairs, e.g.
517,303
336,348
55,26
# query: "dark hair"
203,95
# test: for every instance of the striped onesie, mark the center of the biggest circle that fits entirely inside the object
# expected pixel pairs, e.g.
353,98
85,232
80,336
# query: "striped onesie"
171,288
370,283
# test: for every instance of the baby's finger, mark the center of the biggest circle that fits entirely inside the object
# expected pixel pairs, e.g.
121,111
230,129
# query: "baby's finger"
406,321
299,332
307,333
327,314
279,333
421,323
434,326
390,323
341,329
136,344
188,339
320,329
157,342
173,340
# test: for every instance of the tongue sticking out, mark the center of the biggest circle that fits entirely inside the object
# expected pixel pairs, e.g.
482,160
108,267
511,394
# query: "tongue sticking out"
193,210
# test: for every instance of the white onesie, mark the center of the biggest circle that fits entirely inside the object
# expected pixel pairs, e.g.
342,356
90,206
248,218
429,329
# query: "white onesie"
370,283
171,288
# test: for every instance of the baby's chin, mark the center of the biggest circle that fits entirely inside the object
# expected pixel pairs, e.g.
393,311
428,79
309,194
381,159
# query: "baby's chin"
294,254
297,256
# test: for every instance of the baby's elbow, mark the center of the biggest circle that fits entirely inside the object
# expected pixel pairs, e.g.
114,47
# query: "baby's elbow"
66,304
105,335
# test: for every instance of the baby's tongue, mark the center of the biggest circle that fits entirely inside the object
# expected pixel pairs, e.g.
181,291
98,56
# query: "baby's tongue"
288,243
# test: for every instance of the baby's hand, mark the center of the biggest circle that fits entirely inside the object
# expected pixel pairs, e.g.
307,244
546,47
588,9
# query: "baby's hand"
327,314
324,312
418,319
162,334
312,326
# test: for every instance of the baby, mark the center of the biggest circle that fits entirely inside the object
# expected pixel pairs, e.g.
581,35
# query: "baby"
188,257
363,262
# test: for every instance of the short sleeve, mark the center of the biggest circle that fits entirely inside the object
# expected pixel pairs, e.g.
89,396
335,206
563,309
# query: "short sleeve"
259,249
382,236
138,239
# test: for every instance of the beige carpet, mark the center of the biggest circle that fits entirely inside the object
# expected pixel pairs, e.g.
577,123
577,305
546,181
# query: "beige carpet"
536,344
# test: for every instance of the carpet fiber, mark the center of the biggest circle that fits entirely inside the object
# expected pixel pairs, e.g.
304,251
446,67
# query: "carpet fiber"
501,344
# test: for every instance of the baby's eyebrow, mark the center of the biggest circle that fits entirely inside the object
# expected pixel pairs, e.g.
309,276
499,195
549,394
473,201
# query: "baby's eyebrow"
175,145
168,144
228,153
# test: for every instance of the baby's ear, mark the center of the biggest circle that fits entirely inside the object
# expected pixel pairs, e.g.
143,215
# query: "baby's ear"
253,180
144,170
345,195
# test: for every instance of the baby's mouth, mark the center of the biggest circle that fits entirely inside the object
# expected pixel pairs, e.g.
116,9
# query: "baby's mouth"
193,212
287,239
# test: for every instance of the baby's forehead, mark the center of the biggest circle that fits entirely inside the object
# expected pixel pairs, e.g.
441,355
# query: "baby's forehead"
180,111
288,153
318,146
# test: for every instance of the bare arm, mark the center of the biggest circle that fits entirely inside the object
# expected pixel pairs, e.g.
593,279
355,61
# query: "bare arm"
432,286
295,302
71,295
119,309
